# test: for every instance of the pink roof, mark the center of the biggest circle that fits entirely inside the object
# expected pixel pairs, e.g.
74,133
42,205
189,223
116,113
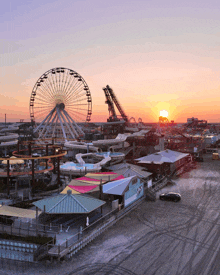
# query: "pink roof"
83,189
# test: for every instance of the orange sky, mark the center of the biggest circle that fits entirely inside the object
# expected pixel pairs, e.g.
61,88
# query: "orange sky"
154,56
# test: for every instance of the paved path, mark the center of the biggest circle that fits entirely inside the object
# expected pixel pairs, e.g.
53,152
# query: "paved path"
158,237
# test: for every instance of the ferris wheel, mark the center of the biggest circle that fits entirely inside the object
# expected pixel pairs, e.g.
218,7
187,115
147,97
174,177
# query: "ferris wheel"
59,100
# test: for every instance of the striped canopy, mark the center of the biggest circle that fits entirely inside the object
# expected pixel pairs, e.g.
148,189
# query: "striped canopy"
90,182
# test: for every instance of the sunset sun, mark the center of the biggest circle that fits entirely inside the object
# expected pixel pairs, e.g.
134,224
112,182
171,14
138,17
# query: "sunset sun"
164,113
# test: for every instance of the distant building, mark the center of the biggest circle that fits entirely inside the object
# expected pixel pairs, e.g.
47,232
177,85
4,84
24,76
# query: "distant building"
195,122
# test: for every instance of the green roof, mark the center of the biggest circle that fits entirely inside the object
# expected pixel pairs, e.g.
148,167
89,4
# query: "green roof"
68,203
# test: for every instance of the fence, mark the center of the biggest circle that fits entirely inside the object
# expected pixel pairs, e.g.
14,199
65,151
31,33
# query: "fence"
72,245
19,228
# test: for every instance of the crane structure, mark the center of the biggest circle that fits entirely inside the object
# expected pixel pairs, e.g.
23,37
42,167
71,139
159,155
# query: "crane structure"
112,100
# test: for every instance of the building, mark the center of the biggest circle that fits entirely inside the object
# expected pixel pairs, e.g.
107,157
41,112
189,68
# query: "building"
164,162
128,170
126,191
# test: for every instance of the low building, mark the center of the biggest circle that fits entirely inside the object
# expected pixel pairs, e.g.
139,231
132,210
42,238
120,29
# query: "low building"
164,162
128,170
126,190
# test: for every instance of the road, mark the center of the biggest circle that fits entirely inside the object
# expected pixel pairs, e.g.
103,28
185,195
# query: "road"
158,237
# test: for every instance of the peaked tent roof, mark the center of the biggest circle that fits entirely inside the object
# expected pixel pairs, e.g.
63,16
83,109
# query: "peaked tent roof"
82,183
116,187
68,203
89,180
83,188
168,156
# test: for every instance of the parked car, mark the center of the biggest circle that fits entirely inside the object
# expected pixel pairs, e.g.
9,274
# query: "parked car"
170,196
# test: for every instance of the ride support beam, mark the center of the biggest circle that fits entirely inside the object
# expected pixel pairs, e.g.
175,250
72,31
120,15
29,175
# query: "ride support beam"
29,149
48,127
75,133
134,148
47,155
54,160
8,178
39,126
67,125
61,123
18,147
58,171
33,172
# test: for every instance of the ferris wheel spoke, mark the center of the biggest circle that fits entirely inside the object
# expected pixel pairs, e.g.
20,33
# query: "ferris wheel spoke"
74,86
62,82
77,116
76,94
53,83
43,110
57,82
77,110
69,91
77,102
44,91
69,79
43,107
45,87
81,109
75,106
40,115
49,90
67,82
42,97
42,100
77,90
50,83
80,92
78,98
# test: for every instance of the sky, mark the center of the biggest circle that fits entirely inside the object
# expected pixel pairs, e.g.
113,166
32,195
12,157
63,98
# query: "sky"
156,55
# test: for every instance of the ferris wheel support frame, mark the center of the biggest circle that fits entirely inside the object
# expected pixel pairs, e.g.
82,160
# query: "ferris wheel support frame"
70,123
77,126
46,125
67,125
38,127
61,123
51,124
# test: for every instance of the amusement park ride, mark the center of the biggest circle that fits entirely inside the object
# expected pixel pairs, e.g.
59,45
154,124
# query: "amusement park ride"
60,99
111,99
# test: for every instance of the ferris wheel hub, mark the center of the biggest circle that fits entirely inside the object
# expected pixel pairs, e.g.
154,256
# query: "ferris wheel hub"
61,106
